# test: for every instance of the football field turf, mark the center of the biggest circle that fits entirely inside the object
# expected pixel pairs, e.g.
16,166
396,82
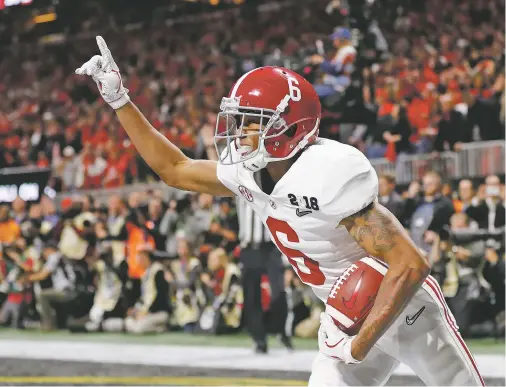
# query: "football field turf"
173,359
488,345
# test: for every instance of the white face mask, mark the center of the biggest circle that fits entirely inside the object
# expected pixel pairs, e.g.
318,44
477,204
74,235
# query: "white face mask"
492,190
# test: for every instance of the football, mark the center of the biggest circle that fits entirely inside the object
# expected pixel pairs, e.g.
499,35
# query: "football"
352,296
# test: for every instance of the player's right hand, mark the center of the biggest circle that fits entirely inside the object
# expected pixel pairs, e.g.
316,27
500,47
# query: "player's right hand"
104,71
334,343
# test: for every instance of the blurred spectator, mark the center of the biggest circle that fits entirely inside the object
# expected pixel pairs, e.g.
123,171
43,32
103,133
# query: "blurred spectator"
338,70
49,214
153,221
222,285
171,223
15,263
299,304
19,210
428,212
437,88
69,169
186,220
304,313
151,312
453,129
224,227
62,290
466,196
489,213
388,197
117,231
472,296
494,273
109,304
9,229
440,85
137,237
189,298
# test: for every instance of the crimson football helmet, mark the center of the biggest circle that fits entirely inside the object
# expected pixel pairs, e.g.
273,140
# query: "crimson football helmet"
283,104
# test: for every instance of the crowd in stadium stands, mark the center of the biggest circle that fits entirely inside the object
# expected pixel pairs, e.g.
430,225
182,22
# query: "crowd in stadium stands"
441,85
149,263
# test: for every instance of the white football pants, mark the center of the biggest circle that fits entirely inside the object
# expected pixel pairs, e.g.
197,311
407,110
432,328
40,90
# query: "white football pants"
430,345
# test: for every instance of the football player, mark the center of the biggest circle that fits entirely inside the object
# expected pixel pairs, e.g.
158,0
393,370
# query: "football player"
322,213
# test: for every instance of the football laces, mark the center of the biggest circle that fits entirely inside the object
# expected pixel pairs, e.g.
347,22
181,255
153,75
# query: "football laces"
342,279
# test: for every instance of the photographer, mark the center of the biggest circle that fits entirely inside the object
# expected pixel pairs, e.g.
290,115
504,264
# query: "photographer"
63,280
457,255
16,264
494,273
109,304
178,218
224,227
188,293
222,284
116,231
151,312
76,232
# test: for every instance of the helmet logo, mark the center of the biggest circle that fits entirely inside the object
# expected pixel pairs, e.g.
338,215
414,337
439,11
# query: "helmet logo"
293,90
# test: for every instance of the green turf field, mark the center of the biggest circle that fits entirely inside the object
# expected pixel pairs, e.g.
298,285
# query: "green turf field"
490,346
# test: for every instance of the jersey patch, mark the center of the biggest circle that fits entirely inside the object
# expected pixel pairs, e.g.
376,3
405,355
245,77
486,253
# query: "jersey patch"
310,203
246,193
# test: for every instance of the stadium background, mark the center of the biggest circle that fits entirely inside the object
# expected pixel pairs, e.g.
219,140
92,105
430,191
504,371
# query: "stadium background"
426,94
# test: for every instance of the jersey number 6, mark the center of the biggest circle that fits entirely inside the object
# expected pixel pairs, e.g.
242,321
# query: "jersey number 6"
309,272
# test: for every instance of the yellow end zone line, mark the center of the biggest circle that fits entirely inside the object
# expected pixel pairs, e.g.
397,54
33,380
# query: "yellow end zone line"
150,380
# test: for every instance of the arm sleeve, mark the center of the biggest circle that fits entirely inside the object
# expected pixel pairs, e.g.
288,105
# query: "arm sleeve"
353,187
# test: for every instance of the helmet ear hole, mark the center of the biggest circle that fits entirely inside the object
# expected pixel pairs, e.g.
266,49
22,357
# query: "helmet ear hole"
290,132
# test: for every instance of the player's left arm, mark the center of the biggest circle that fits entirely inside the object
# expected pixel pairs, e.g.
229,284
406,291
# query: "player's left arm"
381,235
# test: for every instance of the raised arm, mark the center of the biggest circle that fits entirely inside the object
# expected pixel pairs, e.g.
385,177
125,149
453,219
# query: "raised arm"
167,160
381,235
173,167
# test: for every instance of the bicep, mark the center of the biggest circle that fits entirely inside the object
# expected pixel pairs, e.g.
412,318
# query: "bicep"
381,235
197,176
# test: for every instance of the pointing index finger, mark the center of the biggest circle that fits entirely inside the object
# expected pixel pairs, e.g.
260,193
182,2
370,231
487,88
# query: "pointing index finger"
104,51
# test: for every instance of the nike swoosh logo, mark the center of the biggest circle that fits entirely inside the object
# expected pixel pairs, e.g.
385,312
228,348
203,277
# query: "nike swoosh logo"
411,320
350,302
333,345
302,213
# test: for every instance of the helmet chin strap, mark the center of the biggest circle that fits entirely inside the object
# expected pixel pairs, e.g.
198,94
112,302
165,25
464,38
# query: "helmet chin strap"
257,162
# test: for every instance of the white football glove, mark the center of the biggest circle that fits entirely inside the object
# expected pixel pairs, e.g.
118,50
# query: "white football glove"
104,71
333,342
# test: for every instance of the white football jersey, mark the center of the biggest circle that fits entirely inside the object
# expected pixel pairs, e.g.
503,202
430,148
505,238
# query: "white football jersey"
328,182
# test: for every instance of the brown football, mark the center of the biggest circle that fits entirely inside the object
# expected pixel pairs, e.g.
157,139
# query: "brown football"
352,296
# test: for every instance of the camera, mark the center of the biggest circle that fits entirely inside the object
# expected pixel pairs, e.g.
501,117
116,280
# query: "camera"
106,255
493,239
